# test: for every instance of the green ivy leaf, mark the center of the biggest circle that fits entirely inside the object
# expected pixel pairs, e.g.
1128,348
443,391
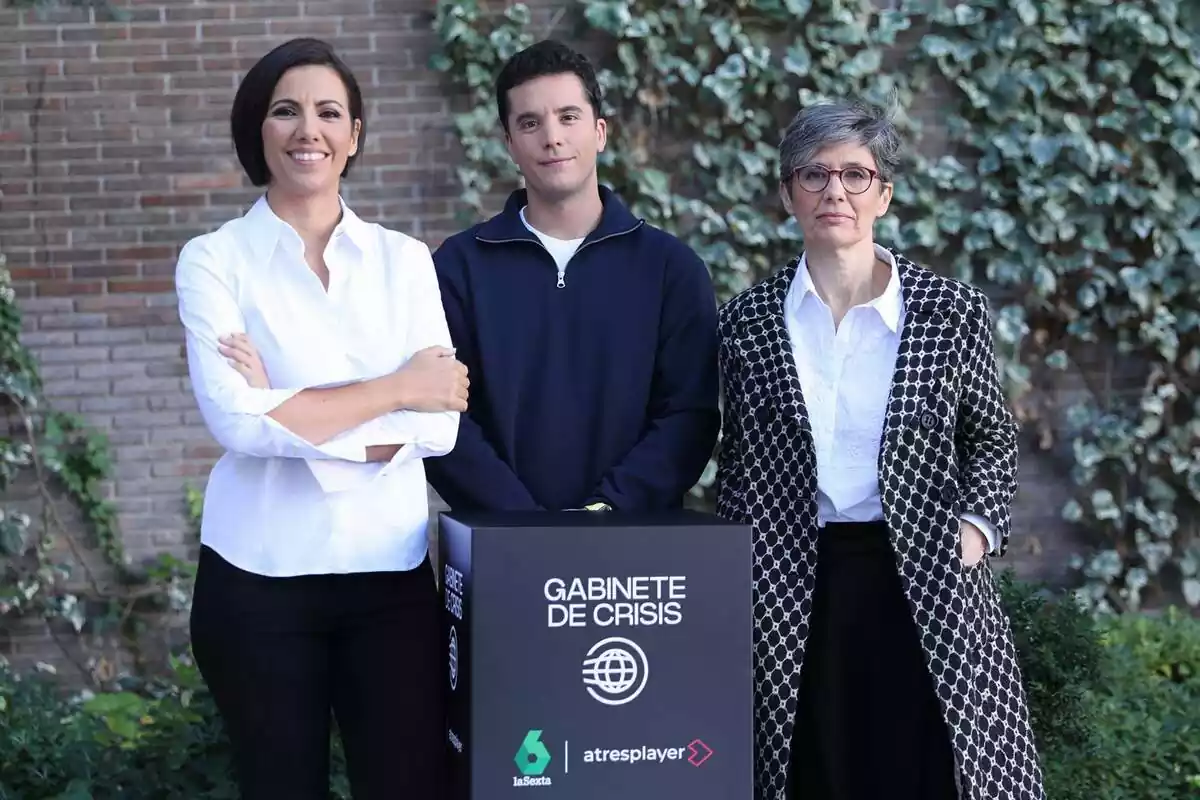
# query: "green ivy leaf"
797,60
1191,593
1027,11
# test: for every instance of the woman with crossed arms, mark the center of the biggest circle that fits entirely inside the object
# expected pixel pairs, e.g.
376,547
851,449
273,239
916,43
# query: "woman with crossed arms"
320,359
867,440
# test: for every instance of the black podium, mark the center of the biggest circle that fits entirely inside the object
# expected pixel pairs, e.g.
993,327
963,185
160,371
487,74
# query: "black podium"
598,655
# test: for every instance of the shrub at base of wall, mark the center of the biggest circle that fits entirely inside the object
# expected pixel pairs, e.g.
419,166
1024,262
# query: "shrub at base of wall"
1116,707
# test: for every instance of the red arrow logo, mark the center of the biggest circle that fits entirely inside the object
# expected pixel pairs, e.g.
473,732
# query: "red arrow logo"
700,752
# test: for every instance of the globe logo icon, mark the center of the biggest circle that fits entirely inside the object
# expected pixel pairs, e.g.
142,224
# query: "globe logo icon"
615,671
453,658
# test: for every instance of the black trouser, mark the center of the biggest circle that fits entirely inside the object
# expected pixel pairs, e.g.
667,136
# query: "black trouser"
279,654
868,726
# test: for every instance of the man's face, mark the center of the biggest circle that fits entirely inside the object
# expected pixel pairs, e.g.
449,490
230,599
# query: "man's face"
553,135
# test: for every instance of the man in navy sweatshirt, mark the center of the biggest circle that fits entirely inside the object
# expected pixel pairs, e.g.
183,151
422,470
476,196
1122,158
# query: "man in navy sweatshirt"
590,336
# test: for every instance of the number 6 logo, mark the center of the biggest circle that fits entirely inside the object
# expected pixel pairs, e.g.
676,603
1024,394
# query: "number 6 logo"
533,757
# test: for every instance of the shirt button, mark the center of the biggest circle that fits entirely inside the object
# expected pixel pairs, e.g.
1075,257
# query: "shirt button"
928,420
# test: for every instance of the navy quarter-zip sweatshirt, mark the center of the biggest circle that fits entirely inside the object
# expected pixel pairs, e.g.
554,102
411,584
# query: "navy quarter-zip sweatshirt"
603,388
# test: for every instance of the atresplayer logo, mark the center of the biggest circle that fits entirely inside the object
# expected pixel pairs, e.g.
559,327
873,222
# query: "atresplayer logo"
531,760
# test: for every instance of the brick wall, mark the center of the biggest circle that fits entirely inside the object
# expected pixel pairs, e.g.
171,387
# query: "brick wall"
114,150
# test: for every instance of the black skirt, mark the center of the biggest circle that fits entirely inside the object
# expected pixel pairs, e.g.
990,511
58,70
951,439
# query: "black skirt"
868,725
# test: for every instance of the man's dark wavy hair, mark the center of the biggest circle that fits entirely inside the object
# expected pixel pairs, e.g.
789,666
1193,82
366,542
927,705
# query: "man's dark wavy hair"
547,57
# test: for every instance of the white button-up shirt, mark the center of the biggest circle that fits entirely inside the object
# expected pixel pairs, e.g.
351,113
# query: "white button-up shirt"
846,377
277,504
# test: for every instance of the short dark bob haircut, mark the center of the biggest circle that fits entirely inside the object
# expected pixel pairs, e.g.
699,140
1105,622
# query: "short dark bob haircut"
254,96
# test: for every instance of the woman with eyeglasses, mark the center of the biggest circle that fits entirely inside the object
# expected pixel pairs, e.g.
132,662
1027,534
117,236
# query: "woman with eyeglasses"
867,440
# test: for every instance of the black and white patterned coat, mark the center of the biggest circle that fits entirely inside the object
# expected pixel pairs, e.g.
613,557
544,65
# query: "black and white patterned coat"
948,447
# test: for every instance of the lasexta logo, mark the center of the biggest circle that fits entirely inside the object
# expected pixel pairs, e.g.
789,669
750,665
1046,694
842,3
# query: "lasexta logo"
533,757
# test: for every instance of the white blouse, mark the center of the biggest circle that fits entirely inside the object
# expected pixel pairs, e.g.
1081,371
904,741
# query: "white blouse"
846,377
277,504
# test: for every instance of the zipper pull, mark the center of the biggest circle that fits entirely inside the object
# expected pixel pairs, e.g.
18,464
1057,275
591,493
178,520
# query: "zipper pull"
562,279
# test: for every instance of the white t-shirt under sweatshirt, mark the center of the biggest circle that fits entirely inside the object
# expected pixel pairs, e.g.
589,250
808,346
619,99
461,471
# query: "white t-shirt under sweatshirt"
560,249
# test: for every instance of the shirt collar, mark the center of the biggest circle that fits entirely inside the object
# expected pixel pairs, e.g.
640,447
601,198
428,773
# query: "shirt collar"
888,304
265,229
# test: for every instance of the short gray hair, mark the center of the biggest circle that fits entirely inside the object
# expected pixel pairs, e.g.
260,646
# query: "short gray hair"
826,124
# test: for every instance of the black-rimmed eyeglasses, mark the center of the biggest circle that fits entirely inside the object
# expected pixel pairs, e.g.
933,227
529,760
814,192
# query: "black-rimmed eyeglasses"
856,180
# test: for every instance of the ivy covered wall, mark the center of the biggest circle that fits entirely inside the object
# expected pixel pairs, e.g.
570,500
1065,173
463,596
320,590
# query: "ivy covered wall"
1058,169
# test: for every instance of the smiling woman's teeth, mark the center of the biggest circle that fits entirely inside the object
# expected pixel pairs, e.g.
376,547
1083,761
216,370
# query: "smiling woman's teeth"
308,156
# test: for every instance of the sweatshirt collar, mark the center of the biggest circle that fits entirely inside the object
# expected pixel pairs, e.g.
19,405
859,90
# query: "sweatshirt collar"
615,219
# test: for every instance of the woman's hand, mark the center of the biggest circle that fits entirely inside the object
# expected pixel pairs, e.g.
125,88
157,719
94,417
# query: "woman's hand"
434,380
242,355
973,542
